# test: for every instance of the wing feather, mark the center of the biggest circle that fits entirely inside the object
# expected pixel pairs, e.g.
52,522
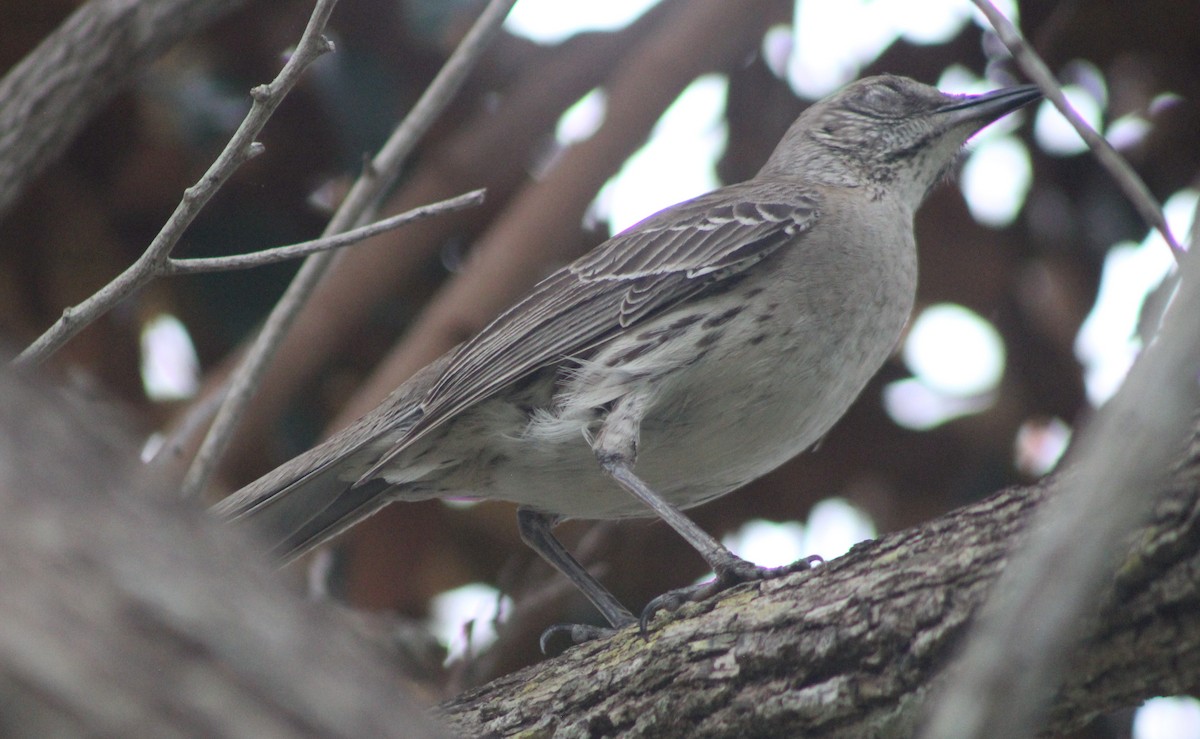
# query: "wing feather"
624,281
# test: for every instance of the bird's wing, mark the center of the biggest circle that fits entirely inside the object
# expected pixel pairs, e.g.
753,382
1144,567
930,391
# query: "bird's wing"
624,281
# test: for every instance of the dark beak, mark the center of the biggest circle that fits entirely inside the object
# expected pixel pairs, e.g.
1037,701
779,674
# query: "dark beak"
990,106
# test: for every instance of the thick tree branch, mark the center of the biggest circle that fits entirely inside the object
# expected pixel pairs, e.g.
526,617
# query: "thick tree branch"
852,648
93,55
128,612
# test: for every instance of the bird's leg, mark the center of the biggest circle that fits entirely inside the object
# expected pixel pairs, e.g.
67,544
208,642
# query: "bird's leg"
615,447
535,528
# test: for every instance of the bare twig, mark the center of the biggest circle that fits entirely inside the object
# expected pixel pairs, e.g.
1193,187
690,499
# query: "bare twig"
326,243
198,416
1017,654
360,201
241,147
1117,167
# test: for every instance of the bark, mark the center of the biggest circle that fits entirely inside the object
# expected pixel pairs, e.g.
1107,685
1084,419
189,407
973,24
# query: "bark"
127,612
852,648
93,55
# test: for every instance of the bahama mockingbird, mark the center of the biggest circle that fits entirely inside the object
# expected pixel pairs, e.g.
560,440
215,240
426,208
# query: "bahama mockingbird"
675,362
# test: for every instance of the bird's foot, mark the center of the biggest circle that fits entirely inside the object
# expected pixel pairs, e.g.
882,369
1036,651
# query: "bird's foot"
734,571
559,637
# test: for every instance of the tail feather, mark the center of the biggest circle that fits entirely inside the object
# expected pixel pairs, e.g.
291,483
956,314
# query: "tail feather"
318,495
346,507
302,514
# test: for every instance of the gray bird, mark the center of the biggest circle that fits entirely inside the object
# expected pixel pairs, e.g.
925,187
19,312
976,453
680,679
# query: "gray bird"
677,361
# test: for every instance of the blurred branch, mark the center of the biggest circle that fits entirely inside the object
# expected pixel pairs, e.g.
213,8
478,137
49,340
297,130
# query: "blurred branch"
1016,656
336,241
167,597
95,54
854,647
1121,172
241,147
381,173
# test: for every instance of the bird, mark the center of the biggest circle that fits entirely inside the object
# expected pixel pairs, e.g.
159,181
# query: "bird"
670,365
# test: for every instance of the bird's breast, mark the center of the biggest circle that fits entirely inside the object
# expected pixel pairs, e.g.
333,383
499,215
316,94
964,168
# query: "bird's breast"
741,381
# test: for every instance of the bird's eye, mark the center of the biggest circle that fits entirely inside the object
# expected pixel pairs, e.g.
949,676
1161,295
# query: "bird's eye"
883,98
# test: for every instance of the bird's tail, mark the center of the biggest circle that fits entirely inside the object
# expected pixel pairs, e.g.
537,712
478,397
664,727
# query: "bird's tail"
318,495
295,513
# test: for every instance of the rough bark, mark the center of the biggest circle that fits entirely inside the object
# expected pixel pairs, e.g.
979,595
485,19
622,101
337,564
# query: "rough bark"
126,612
852,648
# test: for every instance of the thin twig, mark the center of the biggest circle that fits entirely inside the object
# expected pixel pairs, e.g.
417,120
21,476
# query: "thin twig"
337,241
365,193
1117,167
241,147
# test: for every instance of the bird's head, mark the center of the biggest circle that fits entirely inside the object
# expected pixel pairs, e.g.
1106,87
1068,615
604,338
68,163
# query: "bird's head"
889,133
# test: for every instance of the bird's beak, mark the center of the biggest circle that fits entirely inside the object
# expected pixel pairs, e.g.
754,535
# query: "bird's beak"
981,110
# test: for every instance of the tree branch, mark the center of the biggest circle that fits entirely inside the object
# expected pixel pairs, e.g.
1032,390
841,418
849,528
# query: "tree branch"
241,147
93,55
128,612
854,647
345,238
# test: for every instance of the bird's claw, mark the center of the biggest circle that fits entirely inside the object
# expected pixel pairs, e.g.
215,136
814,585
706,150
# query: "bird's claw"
559,637
737,572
